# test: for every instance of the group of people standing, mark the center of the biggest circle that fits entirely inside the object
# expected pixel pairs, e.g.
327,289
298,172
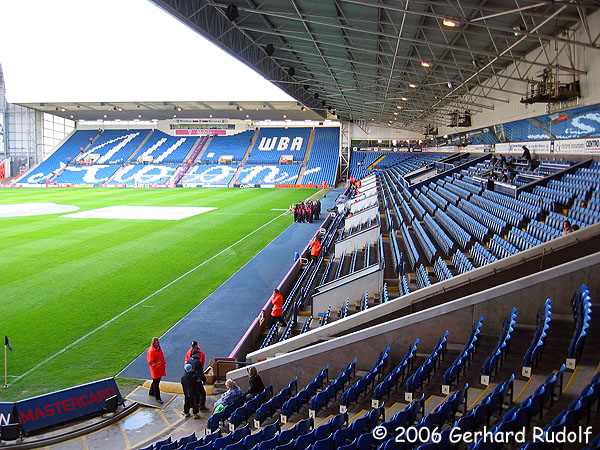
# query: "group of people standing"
306,211
192,381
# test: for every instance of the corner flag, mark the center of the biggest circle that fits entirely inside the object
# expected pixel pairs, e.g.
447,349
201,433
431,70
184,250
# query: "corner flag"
7,343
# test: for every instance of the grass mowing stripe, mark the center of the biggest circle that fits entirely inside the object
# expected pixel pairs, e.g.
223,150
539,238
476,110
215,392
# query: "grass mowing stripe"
142,301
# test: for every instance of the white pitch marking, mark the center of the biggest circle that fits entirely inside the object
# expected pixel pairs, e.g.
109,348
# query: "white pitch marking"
142,301
34,209
125,212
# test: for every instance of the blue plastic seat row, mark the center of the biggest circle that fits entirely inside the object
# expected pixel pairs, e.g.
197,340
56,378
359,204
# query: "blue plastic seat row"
506,214
585,215
446,411
396,253
581,304
447,195
429,206
244,412
536,200
419,211
402,419
302,397
444,242
438,200
362,384
521,239
356,435
473,187
556,196
404,285
413,257
322,398
542,231
457,190
422,277
461,262
221,442
479,214
481,255
275,403
502,248
422,374
578,410
475,229
520,416
396,375
345,309
534,351
429,248
461,237
495,358
461,362
522,207
441,270
306,325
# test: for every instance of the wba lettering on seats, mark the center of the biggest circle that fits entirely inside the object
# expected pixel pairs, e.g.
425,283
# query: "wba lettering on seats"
280,144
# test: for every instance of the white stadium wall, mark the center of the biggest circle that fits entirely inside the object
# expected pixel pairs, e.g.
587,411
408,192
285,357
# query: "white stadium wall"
382,132
584,58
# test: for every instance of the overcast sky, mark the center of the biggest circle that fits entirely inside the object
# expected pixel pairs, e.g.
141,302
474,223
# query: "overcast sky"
115,50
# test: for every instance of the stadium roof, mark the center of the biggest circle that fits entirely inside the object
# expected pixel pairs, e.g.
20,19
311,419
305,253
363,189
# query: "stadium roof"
183,110
362,57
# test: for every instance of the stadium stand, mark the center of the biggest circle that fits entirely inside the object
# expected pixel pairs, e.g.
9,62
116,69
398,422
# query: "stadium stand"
269,174
426,389
209,175
64,154
323,162
96,157
143,175
234,146
272,143
162,148
113,146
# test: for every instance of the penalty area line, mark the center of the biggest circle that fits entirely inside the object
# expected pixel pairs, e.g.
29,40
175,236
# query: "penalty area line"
139,303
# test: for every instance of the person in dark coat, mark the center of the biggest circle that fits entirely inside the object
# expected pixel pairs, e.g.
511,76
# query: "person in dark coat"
255,382
318,209
191,392
198,371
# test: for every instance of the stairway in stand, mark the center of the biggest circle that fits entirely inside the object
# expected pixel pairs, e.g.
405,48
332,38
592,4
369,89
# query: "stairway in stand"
189,160
244,159
311,141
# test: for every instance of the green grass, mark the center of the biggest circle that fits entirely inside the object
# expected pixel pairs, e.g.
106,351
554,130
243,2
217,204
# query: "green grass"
61,278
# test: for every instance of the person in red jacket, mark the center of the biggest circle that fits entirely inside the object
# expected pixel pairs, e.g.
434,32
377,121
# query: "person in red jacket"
277,307
315,248
158,366
201,355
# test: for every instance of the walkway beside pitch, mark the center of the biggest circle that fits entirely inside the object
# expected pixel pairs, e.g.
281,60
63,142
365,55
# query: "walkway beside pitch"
224,316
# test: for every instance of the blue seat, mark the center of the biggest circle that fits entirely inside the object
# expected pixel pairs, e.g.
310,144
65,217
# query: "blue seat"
366,441
323,444
343,436
269,444
236,446
288,446
304,441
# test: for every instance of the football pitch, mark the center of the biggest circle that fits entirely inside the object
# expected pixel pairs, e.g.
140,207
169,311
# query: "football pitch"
82,290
